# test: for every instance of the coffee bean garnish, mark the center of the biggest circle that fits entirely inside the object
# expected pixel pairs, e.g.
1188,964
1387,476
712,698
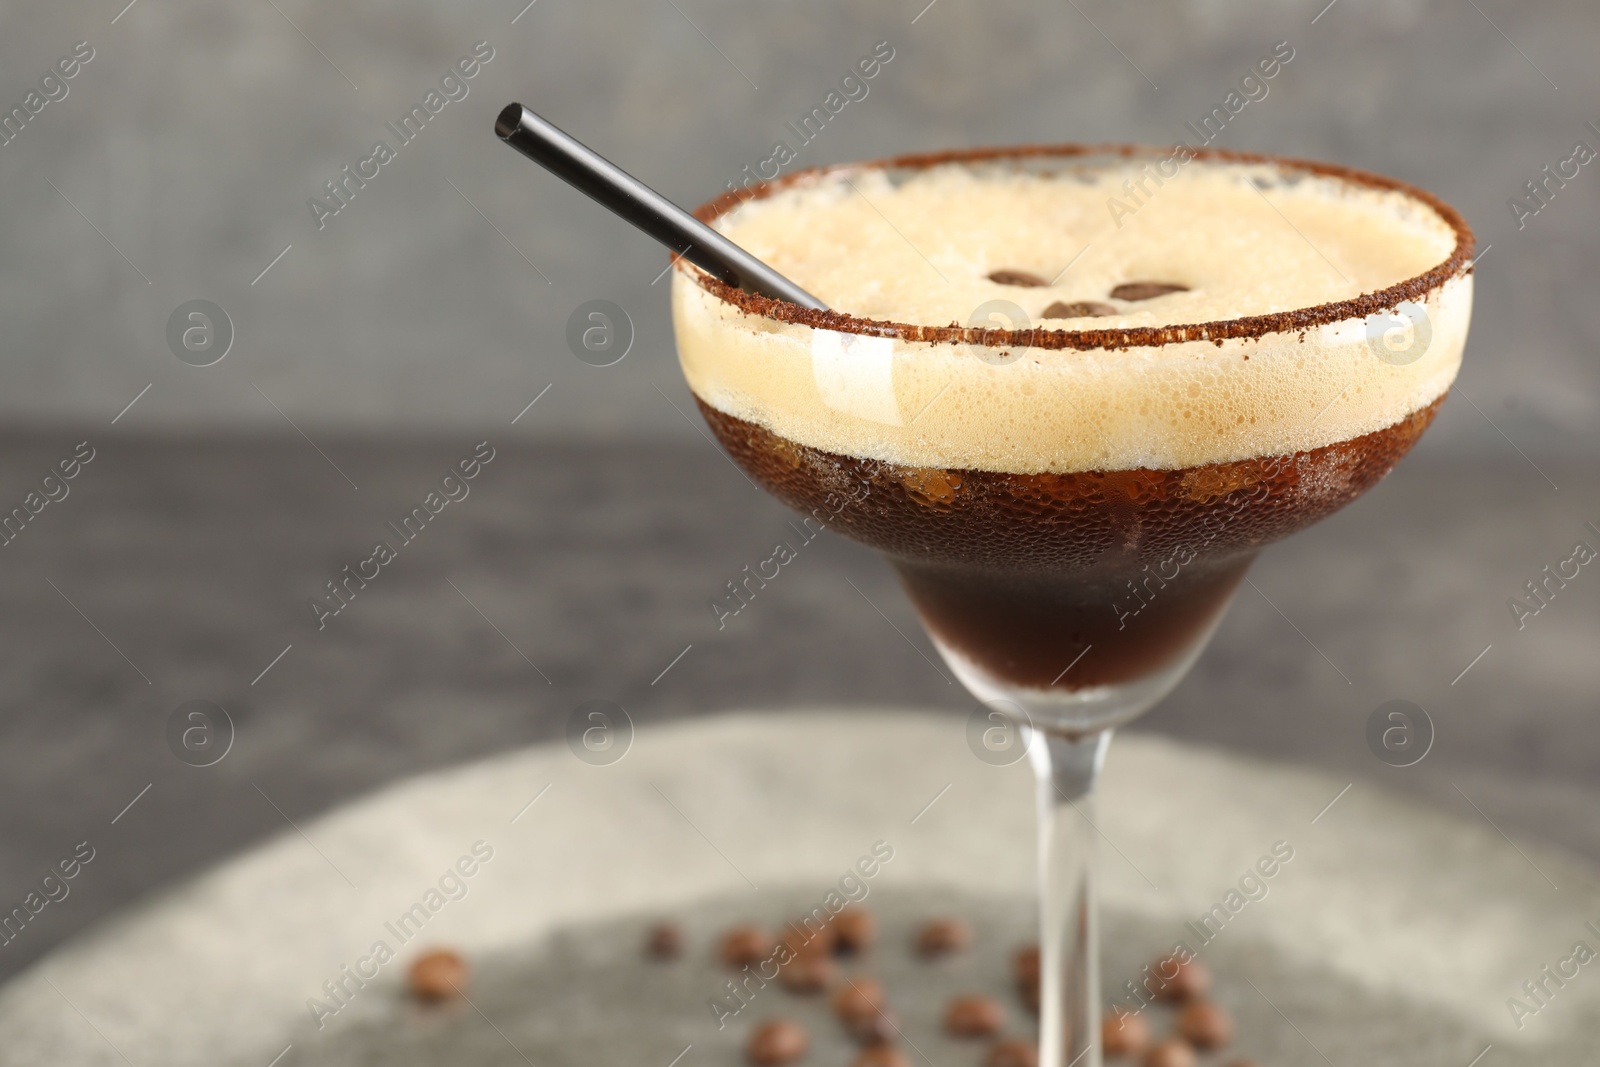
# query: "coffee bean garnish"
855,930
776,1042
745,944
1082,309
941,936
1146,290
664,941
811,973
1012,1054
1124,1034
437,975
1017,277
1173,1052
1181,980
882,1055
974,1015
1205,1025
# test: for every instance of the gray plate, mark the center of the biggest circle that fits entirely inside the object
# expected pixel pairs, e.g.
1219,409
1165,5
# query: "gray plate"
1394,935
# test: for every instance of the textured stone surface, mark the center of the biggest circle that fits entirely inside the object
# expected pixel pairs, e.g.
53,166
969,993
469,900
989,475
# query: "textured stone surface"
1387,934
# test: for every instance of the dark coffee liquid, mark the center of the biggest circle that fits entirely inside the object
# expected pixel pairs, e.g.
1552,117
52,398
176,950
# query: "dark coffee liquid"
1021,573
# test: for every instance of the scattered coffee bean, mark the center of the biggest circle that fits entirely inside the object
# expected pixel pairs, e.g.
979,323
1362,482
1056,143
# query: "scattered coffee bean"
1017,277
863,1011
858,995
664,941
856,929
811,973
1146,290
882,1055
1173,1052
974,1015
745,944
1205,1024
808,940
775,1042
437,975
875,1029
1124,1034
1082,309
861,1005
1012,1054
1182,981
941,936
1025,965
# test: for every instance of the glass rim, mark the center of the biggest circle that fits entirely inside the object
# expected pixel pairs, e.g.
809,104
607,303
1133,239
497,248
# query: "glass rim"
1415,289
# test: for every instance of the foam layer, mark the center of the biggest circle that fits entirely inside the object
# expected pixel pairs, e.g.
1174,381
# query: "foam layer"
1246,239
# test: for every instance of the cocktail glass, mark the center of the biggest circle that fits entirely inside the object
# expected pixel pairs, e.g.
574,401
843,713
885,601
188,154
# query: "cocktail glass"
1071,595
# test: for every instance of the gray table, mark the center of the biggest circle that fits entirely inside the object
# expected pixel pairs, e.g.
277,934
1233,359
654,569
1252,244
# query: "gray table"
572,573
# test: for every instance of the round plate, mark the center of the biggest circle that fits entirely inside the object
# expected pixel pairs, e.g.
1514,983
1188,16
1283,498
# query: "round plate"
1390,934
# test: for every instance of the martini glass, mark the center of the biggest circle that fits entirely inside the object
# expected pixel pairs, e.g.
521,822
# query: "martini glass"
1072,497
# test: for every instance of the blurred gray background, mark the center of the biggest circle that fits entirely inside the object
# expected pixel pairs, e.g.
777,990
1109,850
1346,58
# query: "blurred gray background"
432,309
195,137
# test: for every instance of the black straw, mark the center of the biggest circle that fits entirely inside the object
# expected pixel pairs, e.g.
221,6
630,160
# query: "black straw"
622,193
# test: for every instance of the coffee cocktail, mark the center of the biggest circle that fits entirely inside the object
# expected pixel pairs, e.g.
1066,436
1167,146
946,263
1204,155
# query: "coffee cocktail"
1070,394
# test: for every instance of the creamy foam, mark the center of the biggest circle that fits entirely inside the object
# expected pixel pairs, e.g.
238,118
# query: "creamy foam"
1246,239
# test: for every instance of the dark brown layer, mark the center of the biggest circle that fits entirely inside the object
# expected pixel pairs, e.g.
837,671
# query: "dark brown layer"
1253,326
1022,572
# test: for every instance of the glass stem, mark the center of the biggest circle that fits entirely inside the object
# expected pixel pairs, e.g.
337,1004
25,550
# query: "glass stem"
1069,967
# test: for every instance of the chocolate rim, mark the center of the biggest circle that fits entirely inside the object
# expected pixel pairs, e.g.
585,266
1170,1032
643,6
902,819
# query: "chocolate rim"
1459,263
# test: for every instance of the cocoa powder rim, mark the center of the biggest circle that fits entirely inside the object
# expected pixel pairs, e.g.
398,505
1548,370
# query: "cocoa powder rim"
1457,264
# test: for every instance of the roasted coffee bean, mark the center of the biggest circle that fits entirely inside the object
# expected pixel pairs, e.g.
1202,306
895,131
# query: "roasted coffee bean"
1017,277
745,944
1124,1034
1082,309
940,936
859,995
974,1015
1173,1052
664,941
437,975
1146,290
1205,1024
882,1055
855,928
811,973
876,1028
776,1042
863,1011
809,940
1181,981
1025,966
1012,1054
